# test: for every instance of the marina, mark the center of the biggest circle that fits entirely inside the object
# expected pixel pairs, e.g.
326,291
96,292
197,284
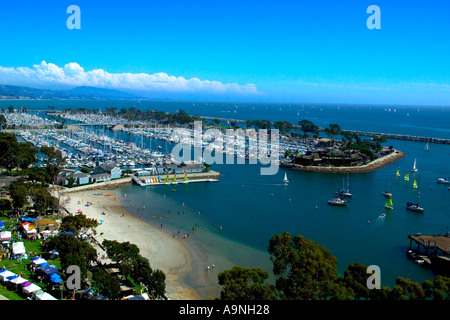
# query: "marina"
251,208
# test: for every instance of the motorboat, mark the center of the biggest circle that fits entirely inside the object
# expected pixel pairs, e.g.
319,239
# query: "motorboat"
414,207
443,181
337,202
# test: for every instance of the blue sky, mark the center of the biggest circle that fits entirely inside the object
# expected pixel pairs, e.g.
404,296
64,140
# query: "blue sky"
288,51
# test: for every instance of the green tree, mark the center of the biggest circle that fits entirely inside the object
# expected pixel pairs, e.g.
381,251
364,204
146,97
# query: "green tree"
73,251
438,289
304,270
19,194
245,284
5,205
355,278
3,122
283,126
309,128
78,224
407,290
108,284
54,161
333,130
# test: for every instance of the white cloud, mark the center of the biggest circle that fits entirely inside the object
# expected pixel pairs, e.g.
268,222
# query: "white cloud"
49,75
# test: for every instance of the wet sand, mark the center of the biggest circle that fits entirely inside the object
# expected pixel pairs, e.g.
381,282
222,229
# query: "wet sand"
182,260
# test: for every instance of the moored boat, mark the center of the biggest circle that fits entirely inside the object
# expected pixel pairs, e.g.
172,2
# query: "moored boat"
414,207
443,181
337,202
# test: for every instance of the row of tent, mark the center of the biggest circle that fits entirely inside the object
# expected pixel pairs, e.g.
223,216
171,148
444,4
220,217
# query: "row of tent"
27,287
48,269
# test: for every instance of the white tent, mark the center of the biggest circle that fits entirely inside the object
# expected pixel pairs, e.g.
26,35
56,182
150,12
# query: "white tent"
18,248
18,280
39,261
31,288
45,296
5,274
5,235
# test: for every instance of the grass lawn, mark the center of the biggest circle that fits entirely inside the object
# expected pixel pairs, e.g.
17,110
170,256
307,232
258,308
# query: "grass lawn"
20,267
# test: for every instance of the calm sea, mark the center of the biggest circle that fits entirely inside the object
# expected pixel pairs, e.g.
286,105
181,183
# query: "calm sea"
236,217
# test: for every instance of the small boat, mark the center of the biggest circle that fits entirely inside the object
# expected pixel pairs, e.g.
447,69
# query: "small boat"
406,176
337,202
389,205
414,169
414,207
427,147
185,180
383,215
415,184
398,172
285,180
387,194
443,181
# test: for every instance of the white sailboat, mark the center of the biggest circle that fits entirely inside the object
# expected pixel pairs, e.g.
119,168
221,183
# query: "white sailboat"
414,169
285,180
427,148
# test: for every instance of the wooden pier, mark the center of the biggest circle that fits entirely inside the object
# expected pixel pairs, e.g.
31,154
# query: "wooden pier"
433,250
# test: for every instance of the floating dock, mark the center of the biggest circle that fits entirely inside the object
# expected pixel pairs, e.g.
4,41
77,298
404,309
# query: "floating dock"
172,179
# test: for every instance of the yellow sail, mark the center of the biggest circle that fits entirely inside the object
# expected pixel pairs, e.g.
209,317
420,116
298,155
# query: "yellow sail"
398,172
415,183
406,176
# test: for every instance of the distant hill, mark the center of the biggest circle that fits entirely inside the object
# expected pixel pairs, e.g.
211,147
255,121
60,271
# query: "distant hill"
84,92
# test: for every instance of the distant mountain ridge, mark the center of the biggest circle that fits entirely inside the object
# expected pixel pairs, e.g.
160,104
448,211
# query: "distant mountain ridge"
83,92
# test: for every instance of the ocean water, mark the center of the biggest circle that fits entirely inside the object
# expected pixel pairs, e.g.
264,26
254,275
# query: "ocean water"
236,216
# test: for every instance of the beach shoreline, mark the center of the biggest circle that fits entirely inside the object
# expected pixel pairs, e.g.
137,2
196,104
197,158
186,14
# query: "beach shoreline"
182,260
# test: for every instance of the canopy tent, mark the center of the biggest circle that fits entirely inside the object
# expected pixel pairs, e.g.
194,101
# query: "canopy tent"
5,235
45,296
18,248
5,274
55,278
49,269
38,261
8,279
30,288
18,280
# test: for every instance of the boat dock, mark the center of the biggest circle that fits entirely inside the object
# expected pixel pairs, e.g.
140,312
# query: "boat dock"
171,179
437,251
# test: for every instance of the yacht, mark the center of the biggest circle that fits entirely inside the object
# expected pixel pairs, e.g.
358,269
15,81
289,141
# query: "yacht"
414,207
443,181
337,202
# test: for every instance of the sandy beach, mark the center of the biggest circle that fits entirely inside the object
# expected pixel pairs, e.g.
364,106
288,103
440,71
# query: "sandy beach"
177,258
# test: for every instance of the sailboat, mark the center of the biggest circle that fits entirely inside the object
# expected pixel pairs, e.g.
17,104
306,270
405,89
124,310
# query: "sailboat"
407,176
415,184
345,192
174,180
167,180
427,147
285,180
414,169
389,205
398,172
185,180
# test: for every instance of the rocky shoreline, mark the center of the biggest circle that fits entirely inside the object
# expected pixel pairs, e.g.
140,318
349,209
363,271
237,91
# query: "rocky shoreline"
369,167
